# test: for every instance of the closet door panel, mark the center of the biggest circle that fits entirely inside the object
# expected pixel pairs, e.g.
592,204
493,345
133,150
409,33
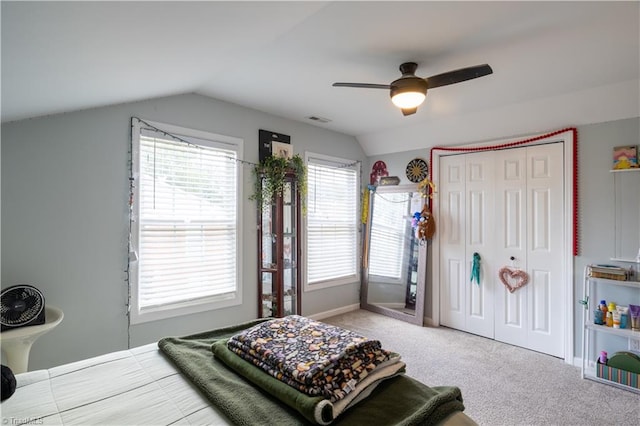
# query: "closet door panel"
545,231
452,246
477,221
455,224
480,239
511,230
541,226
455,264
512,312
541,294
512,225
477,233
455,297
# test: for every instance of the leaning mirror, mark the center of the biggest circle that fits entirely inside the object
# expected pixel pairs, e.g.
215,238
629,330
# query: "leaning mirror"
394,259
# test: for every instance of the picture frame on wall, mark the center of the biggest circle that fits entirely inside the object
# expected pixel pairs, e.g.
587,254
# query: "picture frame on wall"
279,149
625,157
273,143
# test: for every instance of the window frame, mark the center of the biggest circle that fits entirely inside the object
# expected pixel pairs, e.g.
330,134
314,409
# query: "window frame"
138,315
346,279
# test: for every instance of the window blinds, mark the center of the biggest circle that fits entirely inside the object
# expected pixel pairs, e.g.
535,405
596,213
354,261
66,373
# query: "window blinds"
332,225
187,214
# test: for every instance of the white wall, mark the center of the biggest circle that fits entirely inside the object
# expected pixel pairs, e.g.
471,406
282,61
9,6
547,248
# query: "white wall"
65,218
596,198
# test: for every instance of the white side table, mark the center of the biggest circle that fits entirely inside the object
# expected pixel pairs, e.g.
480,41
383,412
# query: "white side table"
16,343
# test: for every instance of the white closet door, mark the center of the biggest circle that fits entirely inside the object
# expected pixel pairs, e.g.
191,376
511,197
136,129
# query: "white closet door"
452,228
529,216
545,239
480,221
511,241
466,218
504,204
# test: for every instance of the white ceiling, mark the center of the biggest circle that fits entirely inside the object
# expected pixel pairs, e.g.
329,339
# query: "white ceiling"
555,64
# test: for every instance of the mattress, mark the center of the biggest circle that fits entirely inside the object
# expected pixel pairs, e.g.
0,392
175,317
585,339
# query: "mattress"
131,387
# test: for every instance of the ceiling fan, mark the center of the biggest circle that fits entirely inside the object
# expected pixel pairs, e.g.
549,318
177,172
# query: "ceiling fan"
409,91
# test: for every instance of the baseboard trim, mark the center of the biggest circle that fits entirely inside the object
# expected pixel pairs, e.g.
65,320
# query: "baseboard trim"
428,322
577,362
334,312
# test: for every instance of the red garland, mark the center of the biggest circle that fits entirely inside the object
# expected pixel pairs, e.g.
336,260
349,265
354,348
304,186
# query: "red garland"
576,246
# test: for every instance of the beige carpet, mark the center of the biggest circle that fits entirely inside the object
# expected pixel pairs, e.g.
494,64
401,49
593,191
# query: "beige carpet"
501,384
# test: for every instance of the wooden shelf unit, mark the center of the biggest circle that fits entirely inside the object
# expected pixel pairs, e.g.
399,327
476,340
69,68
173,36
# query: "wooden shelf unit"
279,251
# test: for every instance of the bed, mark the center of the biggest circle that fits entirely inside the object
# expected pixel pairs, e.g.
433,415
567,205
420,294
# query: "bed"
164,384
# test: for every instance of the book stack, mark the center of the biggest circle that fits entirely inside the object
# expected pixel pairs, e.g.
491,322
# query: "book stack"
609,272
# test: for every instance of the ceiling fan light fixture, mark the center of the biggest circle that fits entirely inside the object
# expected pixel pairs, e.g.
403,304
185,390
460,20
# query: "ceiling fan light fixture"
408,92
406,100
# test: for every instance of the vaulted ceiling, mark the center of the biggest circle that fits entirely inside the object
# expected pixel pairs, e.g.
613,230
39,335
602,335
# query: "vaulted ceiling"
555,64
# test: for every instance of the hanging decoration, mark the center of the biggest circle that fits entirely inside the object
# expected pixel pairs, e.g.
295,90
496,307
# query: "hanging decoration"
415,220
365,206
417,170
366,222
475,268
576,242
427,188
378,170
424,224
513,278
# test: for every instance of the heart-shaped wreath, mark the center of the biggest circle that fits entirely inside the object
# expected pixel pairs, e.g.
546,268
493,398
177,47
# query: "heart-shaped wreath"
508,276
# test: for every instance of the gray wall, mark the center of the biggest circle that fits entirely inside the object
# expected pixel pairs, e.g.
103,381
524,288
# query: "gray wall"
65,219
596,200
597,221
64,214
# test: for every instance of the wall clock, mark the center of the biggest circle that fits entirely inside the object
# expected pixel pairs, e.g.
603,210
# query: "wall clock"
417,170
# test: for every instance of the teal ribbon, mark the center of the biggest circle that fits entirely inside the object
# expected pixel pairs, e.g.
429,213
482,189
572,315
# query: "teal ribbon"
475,268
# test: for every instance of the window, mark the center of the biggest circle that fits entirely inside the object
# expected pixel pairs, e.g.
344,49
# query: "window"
332,221
389,234
185,224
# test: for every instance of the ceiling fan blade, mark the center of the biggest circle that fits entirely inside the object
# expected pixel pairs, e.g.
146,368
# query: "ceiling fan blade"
409,111
458,76
363,85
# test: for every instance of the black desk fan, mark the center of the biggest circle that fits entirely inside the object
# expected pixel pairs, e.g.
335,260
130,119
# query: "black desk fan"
21,305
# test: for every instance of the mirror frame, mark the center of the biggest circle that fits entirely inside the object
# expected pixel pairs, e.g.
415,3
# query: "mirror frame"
418,318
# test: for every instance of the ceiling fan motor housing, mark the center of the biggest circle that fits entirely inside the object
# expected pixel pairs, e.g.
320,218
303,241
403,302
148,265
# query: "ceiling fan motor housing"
21,305
408,84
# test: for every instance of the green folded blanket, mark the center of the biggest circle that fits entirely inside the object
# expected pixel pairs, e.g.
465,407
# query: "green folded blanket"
316,409
397,401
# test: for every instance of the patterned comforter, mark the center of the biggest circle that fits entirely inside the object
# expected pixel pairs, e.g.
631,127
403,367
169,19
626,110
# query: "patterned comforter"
315,358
